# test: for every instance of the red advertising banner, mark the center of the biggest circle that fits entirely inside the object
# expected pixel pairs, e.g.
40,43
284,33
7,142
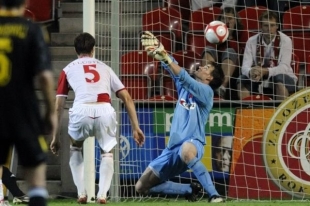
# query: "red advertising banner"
271,155
249,178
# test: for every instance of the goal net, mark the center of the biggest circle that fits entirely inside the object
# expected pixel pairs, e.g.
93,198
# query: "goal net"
257,147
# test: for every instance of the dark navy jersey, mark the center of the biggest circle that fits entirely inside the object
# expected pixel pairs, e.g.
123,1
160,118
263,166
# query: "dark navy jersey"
23,54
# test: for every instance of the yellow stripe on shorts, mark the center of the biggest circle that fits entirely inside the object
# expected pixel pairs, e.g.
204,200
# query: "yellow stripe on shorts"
42,143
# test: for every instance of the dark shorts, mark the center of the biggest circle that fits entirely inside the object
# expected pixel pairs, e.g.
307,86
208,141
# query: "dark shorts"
25,135
220,56
280,78
169,164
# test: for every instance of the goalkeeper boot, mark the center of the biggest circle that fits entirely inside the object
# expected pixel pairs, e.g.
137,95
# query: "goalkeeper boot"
101,200
21,200
216,199
82,199
196,188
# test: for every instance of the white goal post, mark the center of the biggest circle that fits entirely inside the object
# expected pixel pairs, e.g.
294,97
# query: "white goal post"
92,11
89,143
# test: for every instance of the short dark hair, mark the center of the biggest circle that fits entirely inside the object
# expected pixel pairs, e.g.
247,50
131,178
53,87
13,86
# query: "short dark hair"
84,43
218,76
11,3
268,15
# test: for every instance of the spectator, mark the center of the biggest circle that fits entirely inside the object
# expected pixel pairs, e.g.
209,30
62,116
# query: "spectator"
276,6
226,53
266,66
199,4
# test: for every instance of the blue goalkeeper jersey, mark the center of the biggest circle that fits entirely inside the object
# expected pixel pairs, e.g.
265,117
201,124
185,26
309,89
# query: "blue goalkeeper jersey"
192,109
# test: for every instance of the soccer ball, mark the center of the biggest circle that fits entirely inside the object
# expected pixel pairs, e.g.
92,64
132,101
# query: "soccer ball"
216,32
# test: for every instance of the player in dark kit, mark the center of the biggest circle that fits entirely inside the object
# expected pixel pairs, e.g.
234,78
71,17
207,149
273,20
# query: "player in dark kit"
24,55
9,181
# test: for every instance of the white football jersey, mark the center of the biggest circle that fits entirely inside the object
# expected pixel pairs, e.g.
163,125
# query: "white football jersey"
90,79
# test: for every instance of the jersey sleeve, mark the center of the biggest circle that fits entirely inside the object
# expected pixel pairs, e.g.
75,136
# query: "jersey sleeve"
166,67
116,84
202,92
41,57
63,85
173,76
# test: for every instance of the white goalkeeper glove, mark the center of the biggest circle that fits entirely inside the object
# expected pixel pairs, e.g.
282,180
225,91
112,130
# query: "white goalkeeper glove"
154,48
148,39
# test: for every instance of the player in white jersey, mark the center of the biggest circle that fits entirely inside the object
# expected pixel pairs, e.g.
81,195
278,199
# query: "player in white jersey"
92,114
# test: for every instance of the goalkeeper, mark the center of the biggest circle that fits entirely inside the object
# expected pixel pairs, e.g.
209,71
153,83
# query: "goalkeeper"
185,147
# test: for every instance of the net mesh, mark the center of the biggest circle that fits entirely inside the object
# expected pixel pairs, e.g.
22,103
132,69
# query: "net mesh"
257,148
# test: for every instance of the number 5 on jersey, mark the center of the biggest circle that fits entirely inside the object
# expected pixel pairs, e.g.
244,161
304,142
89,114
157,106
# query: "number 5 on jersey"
5,63
91,75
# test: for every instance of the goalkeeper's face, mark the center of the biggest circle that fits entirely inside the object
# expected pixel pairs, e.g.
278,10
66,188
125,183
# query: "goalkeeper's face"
204,73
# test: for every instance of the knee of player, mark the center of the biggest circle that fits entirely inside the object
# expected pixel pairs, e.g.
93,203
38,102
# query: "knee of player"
188,152
187,157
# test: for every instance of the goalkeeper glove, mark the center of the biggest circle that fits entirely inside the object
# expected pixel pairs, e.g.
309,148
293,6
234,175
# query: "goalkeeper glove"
148,39
154,48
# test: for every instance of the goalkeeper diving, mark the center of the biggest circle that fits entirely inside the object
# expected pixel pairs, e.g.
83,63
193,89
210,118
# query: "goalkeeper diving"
185,147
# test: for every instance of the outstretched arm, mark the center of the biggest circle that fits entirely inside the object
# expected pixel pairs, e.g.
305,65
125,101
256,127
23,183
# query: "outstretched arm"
131,110
156,50
201,91
175,68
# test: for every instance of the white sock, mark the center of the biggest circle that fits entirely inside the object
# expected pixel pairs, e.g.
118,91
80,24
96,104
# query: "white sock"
1,191
77,168
106,174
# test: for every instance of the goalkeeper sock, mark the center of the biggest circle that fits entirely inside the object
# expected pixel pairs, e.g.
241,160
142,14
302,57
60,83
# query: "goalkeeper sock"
77,168
106,174
172,188
37,196
9,180
203,176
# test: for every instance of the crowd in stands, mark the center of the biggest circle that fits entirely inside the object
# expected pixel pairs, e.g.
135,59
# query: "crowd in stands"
278,6
266,46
